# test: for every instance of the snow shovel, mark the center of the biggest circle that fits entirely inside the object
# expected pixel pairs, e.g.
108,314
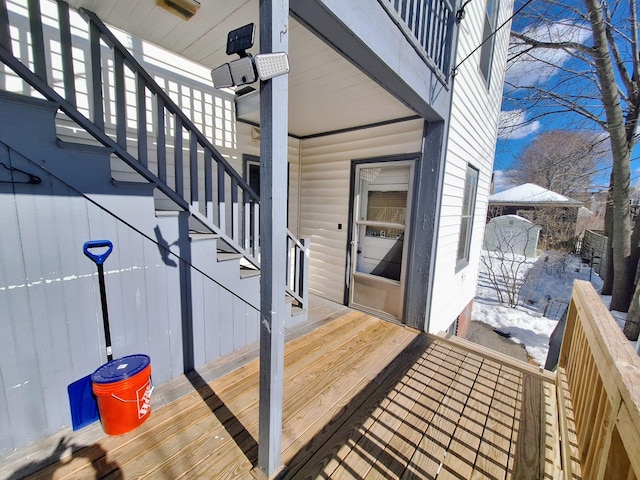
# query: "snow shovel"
84,408
99,260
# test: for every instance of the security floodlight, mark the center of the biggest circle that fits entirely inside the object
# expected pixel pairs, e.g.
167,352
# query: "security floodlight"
247,69
271,65
242,71
221,76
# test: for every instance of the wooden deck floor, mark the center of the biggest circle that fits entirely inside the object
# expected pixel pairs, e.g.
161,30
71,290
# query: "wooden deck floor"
363,398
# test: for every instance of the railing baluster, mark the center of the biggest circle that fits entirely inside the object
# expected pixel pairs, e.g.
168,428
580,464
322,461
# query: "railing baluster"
120,99
37,39
141,95
5,31
66,51
235,220
246,213
418,18
422,38
256,229
96,76
193,169
178,159
208,185
161,136
222,214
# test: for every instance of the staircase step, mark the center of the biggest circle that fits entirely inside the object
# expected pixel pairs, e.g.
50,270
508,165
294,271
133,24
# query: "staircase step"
84,148
295,311
129,185
167,213
246,272
225,256
195,236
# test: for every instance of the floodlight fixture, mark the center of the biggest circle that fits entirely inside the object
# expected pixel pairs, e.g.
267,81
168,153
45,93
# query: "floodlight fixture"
221,76
247,69
269,65
243,71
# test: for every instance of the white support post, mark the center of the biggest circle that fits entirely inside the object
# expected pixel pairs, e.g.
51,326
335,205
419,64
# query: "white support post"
274,20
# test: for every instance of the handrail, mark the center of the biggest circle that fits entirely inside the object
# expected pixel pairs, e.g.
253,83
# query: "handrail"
601,371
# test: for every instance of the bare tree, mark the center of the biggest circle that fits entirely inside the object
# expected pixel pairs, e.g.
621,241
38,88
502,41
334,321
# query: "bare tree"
558,225
586,61
563,161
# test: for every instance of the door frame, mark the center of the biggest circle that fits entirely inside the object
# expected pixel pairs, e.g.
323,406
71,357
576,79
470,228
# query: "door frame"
413,160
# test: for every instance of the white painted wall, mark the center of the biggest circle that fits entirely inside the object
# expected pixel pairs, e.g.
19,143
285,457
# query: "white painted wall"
324,203
472,139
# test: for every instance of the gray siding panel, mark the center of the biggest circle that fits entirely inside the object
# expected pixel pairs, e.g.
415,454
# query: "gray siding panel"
50,315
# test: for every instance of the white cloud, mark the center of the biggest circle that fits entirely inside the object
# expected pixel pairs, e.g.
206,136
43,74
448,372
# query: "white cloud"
540,64
513,125
501,182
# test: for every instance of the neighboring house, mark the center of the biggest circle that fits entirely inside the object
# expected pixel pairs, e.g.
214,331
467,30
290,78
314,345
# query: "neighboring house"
555,213
388,169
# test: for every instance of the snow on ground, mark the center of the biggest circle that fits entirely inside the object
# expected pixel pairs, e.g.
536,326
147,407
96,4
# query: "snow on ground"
545,293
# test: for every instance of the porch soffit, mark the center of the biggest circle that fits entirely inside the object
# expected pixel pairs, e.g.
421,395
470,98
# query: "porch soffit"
326,92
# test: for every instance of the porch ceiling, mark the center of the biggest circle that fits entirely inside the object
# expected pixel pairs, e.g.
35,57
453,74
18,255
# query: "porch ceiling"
326,92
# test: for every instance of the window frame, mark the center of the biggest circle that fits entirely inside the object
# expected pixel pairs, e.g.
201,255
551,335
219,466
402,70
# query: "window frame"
467,214
489,26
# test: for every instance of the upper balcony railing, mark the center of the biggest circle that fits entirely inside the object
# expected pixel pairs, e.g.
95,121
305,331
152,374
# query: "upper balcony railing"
428,26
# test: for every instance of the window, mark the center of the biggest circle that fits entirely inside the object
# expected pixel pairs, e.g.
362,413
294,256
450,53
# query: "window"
466,222
486,52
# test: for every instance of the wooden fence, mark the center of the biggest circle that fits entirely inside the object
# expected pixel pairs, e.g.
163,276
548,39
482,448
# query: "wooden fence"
599,374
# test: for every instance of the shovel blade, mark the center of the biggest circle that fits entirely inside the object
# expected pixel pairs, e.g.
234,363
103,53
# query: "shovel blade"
84,408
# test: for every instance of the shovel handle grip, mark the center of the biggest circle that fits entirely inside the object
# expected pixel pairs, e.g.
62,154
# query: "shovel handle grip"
101,257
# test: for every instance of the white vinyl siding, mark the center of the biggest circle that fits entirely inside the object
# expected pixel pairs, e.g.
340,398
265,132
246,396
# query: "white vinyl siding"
472,138
324,191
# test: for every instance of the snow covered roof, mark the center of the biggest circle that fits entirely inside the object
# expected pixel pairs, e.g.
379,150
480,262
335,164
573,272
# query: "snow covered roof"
516,218
530,193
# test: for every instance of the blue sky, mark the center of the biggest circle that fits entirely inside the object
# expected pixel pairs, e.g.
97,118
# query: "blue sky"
520,121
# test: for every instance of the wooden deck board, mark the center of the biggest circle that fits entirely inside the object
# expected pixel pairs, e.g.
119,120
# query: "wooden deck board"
363,398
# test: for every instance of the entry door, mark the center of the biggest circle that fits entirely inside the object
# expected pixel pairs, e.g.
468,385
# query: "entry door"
381,203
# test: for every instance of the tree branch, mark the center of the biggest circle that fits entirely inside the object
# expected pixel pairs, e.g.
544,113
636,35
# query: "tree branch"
552,45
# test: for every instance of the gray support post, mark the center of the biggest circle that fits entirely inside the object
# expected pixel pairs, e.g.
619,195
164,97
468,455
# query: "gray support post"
274,19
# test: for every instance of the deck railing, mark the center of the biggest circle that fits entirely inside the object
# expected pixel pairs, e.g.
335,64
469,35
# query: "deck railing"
428,25
600,372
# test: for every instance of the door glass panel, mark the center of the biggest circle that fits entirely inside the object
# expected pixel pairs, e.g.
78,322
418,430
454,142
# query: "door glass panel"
382,217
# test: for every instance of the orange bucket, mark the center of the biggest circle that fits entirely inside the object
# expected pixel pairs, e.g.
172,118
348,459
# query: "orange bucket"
123,391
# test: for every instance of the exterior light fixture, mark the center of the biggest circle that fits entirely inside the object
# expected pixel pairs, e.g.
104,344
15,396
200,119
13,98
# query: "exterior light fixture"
247,69
183,8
